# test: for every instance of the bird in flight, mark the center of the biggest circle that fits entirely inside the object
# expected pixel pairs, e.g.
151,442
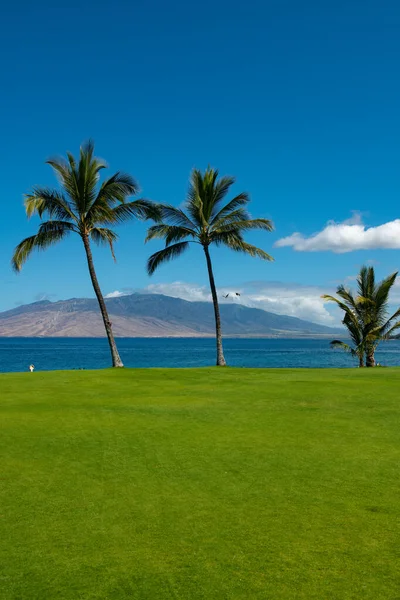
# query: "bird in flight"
226,296
237,294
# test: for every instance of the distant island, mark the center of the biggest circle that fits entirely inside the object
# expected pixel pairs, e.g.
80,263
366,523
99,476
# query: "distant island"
151,315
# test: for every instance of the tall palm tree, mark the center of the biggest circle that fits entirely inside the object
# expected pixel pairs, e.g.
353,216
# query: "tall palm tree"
206,221
366,315
85,208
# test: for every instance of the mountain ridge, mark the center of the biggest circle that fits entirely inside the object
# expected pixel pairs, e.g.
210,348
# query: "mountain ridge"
150,315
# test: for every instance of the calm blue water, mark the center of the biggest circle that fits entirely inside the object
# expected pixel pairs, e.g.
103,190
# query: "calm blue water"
16,354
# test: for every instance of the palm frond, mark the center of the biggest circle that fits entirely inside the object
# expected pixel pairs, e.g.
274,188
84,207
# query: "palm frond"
388,324
221,188
347,296
197,197
370,280
395,315
248,225
387,334
46,201
170,233
117,189
206,192
103,236
240,214
72,185
175,216
201,193
71,160
382,291
344,346
366,302
165,255
140,209
238,201
241,246
87,175
79,180
366,282
60,166
350,313
49,234
57,227
66,175
357,334
341,304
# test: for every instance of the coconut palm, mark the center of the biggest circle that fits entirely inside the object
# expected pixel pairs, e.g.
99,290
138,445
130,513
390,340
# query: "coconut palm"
366,315
82,206
205,220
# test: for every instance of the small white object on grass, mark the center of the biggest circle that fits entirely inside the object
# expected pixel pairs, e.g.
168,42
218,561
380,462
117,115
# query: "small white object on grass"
31,368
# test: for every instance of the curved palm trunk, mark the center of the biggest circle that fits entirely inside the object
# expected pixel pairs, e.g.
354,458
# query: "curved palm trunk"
116,359
361,361
220,351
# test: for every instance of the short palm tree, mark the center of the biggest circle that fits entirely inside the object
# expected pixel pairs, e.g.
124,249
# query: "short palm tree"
83,207
206,221
366,315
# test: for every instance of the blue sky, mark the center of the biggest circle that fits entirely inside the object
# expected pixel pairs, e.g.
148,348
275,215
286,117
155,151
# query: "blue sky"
299,100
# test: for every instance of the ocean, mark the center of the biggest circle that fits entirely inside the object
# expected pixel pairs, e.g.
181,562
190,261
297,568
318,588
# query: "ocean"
47,354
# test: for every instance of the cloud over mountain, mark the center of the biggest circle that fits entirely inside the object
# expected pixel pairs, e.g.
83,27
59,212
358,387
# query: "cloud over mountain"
116,294
300,301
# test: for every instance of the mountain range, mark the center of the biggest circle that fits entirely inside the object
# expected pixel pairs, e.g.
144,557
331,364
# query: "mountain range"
149,315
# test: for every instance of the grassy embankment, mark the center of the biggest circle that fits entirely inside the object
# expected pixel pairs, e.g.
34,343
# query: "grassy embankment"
200,484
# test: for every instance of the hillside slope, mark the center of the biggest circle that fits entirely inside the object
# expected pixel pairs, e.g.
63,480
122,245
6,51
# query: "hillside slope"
149,315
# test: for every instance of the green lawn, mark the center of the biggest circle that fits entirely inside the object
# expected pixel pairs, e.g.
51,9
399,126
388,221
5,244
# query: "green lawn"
200,484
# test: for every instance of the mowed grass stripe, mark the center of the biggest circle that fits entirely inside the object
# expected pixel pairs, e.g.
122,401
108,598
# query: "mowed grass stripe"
200,484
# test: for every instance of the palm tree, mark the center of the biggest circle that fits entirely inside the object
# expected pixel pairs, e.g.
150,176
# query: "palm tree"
83,207
205,221
366,315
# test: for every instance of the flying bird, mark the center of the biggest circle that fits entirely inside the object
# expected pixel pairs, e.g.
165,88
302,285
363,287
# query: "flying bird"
226,296
237,293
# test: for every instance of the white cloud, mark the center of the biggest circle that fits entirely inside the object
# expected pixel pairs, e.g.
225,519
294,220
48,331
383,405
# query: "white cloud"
44,296
346,237
180,289
304,302
116,294
300,301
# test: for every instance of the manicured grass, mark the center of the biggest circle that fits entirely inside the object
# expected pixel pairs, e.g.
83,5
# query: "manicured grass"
200,484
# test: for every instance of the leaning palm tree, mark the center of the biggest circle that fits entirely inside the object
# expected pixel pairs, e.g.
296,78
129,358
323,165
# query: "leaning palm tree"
358,348
206,221
366,315
83,207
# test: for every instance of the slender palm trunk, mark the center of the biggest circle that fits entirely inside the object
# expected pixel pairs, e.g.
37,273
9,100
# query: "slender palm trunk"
220,351
116,359
361,361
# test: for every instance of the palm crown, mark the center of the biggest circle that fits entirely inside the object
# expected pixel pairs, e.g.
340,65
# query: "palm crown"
366,315
204,220
81,206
